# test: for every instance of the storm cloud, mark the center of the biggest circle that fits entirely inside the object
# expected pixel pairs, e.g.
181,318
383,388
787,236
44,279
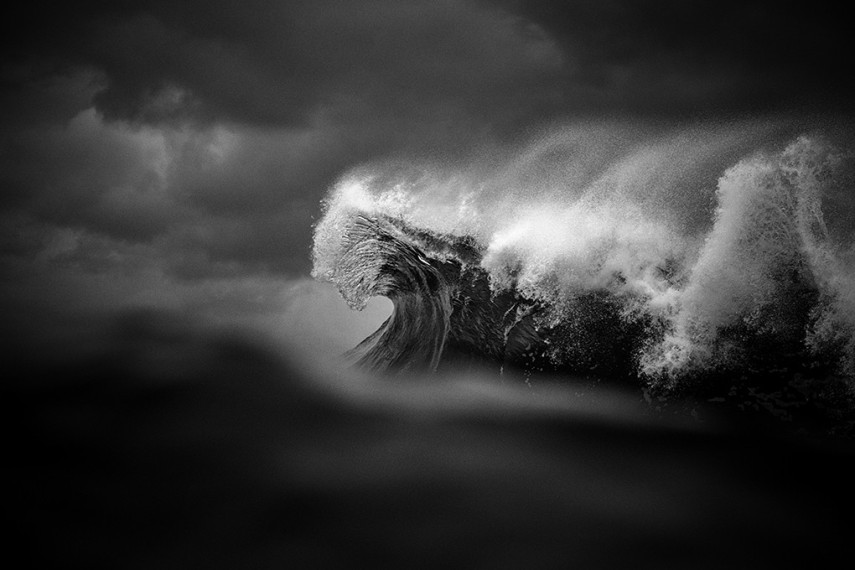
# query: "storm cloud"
156,151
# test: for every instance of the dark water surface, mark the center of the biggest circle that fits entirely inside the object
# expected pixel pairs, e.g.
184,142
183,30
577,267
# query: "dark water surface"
166,446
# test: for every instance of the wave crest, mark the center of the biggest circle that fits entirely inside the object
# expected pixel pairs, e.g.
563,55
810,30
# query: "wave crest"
620,268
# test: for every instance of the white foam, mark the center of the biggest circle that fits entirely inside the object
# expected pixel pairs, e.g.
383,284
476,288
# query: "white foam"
698,227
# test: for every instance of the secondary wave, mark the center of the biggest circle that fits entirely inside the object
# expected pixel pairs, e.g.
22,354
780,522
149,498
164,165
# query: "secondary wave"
659,257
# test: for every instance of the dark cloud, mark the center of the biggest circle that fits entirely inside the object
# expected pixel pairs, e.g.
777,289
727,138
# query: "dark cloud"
213,129
214,246
86,174
419,63
283,63
701,58
192,141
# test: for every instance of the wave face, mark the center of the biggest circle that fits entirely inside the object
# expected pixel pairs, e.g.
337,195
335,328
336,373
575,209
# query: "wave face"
657,256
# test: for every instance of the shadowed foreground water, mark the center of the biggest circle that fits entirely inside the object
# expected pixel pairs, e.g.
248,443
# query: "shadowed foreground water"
164,446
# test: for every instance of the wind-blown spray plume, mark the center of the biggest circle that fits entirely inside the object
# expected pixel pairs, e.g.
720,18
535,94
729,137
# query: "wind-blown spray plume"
658,257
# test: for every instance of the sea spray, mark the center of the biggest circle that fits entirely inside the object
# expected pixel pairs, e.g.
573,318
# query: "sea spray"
663,257
767,273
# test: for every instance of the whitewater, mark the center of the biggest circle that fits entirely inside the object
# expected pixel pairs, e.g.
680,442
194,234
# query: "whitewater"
661,256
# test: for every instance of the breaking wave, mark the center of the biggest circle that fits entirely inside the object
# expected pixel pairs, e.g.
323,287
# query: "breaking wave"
655,256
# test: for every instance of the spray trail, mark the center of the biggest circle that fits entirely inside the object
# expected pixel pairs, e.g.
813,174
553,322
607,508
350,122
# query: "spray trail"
659,256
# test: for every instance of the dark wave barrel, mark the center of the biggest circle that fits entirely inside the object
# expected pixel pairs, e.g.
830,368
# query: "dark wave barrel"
444,311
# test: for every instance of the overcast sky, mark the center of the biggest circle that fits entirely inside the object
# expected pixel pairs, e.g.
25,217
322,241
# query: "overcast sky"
174,154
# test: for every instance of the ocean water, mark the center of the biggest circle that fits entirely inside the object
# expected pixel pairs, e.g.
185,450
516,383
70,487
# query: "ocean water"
176,446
